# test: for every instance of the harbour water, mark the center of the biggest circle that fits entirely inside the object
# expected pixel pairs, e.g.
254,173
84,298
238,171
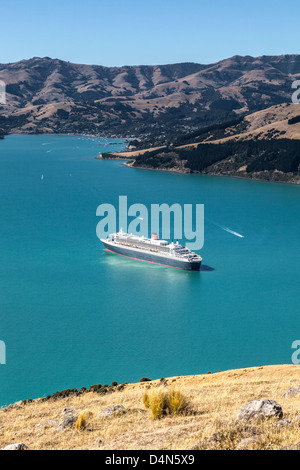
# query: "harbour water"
72,315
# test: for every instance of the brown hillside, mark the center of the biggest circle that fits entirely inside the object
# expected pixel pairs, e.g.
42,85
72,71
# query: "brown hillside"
215,400
77,98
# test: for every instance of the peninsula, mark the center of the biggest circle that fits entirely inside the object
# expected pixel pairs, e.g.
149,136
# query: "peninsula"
263,146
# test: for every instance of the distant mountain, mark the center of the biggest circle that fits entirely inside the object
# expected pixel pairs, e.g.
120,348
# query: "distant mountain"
52,96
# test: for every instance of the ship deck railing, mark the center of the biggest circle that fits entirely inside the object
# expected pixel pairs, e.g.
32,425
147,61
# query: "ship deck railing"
182,253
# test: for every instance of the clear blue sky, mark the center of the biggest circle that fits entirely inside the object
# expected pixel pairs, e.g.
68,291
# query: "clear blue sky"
130,32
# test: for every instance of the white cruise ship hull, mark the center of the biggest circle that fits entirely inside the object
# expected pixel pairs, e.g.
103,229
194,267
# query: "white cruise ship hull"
151,257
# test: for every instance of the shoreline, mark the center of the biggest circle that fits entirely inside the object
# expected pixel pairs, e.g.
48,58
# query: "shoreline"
63,394
63,135
129,165
131,160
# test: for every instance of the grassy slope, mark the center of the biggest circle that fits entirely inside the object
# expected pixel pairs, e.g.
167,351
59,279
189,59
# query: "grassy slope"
216,399
270,123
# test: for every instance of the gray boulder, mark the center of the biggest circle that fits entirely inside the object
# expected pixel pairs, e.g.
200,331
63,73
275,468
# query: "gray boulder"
111,411
258,410
47,424
68,411
248,443
292,392
69,417
18,446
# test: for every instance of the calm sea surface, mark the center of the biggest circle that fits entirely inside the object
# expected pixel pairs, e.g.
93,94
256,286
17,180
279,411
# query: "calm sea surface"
72,315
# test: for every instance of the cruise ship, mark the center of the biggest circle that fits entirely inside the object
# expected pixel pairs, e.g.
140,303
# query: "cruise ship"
152,250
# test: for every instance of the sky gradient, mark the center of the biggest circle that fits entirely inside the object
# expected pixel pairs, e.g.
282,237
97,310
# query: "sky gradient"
132,32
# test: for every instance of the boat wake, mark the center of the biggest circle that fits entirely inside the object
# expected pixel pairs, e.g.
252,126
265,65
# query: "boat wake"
226,229
229,230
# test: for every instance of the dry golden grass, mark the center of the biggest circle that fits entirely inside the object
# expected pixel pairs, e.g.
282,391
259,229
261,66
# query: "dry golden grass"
84,420
162,401
156,400
262,122
131,154
215,400
178,402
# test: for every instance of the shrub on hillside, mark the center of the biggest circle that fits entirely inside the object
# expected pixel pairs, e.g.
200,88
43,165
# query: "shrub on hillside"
178,403
83,420
294,120
162,402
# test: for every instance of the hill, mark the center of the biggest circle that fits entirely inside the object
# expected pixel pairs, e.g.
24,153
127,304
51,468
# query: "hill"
263,145
52,96
214,399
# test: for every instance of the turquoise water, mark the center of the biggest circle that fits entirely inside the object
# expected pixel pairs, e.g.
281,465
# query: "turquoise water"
73,315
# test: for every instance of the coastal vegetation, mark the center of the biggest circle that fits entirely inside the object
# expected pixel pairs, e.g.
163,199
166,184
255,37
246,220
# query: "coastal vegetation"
254,408
294,120
71,392
261,155
201,134
273,160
